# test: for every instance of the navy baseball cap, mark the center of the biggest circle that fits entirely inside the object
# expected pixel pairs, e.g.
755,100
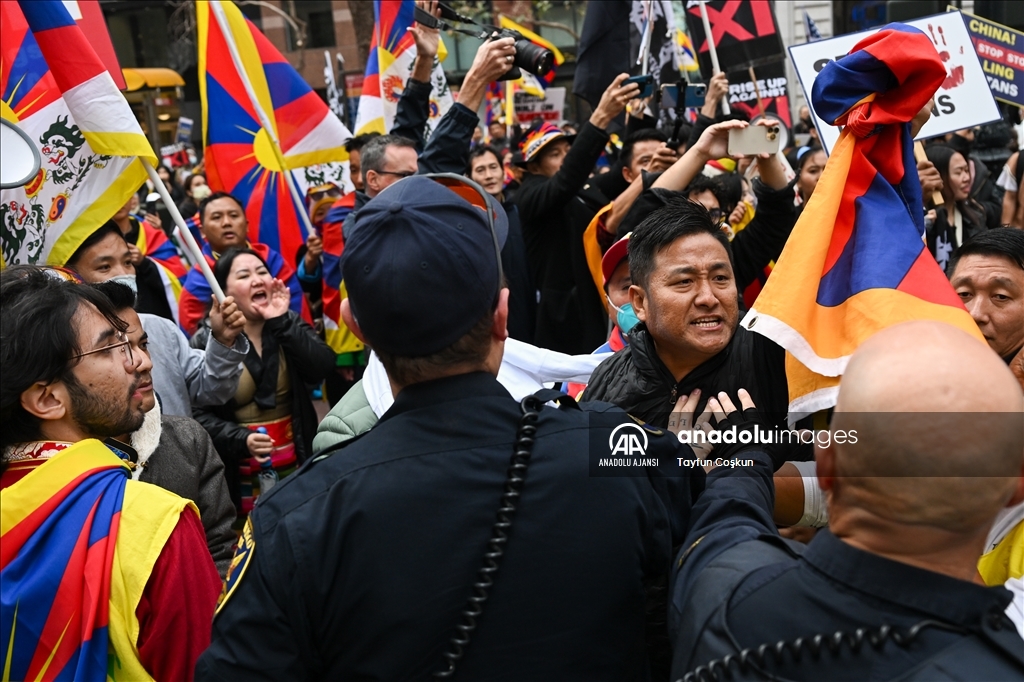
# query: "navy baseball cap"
422,263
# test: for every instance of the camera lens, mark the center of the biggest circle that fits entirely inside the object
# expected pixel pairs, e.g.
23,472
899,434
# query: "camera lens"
533,58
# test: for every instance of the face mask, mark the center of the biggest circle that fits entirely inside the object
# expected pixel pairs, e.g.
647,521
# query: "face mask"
128,281
625,317
201,192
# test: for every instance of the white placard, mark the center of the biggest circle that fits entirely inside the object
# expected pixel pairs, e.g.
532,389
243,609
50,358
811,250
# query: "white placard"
550,108
962,101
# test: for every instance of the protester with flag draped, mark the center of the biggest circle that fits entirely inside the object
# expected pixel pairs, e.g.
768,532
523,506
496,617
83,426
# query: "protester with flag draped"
856,262
103,577
59,92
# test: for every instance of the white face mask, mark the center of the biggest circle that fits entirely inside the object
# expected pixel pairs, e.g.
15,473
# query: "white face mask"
201,192
129,281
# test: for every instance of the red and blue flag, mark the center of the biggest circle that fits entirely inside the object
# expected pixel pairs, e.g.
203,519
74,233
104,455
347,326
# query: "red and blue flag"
59,534
241,156
856,262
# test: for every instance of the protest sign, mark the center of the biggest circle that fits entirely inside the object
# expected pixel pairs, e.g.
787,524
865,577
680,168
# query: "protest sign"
550,108
1001,51
772,86
183,135
745,34
962,101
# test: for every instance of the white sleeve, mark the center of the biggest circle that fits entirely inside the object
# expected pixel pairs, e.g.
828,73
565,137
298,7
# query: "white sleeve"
1015,610
1006,180
815,508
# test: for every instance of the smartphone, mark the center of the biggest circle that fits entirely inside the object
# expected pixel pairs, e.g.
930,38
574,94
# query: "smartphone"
646,84
695,94
693,97
754,140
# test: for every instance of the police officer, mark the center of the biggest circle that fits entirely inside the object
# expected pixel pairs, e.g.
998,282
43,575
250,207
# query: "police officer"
369,562
922,455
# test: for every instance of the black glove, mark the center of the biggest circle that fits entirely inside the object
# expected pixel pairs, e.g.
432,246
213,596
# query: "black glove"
745,421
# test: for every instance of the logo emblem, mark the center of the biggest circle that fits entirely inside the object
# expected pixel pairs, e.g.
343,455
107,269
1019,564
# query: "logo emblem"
239,562
629,440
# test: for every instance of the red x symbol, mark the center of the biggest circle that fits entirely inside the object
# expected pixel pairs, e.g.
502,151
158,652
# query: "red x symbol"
723,22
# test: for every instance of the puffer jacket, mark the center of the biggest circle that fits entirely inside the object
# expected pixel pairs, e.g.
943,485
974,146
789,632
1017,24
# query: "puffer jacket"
351,416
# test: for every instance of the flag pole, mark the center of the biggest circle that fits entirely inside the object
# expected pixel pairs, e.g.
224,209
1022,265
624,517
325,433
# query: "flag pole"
236,59
197,253
713,52
645,41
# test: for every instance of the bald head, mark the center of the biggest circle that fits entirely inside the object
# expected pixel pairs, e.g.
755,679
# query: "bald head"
939,422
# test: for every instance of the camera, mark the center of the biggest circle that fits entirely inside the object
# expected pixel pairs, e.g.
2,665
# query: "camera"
529,56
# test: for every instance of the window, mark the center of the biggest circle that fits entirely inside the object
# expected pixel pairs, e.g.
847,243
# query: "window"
319,18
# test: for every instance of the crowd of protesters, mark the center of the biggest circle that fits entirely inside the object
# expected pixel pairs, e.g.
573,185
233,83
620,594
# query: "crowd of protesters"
614,267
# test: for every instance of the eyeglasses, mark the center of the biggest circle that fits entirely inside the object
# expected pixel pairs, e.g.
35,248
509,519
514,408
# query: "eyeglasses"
123,345
401,174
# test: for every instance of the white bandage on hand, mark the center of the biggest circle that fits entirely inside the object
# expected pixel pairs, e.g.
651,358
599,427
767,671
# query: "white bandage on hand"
815,509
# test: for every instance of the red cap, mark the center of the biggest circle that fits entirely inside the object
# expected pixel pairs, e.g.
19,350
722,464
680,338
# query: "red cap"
613,256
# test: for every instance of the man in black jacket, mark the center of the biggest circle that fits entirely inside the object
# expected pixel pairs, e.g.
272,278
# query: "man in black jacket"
684,293
570,313
911,501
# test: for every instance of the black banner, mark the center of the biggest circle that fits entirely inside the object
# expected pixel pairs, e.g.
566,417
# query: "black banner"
745,34
773,88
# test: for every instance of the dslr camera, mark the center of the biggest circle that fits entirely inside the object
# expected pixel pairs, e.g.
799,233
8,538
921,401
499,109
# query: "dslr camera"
529,56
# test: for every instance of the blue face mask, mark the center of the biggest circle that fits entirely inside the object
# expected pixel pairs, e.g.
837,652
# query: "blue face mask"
626,318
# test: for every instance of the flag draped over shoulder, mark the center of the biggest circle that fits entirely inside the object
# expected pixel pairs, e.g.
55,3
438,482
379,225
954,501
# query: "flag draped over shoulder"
241,157
59,92
59,528
388,66
856,262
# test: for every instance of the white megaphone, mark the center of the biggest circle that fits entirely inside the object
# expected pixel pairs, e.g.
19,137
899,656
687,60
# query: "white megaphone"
19,158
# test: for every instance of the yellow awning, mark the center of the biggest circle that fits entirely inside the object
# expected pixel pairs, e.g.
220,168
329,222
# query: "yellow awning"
137,79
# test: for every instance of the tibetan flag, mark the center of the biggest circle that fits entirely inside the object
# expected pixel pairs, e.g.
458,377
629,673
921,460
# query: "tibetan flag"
241,157
687,56
856,262
530,83
60,93
388,67
58,536
338,336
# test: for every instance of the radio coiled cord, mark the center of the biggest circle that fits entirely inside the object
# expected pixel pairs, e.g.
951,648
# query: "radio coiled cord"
745,660
523,448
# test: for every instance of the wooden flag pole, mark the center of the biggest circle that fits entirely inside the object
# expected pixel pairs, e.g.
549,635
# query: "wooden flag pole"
713,52
197,253
757,89
920,156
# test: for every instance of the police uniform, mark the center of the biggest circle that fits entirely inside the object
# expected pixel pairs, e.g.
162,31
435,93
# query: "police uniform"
738,585
357,567
360,565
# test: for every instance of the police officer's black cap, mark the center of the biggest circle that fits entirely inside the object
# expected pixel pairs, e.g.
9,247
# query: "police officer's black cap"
422,264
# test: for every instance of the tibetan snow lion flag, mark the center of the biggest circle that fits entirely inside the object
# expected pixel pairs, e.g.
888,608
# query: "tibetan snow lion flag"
58,91
388,66
235,59
856,261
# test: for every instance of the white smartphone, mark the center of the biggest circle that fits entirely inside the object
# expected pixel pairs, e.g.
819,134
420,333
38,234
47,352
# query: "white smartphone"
754,140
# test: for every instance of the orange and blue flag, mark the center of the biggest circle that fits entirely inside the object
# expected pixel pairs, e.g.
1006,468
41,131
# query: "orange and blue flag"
59,534
241,155
856,261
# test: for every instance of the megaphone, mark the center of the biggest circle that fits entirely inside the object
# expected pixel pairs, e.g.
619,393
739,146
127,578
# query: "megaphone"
19,157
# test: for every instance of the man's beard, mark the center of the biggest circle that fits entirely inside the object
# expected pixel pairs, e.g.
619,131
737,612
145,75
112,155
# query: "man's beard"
102,417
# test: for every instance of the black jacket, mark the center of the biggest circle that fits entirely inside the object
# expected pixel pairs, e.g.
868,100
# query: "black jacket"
381,540
637,380
522,296
941,234
738,585
309,361
571,317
